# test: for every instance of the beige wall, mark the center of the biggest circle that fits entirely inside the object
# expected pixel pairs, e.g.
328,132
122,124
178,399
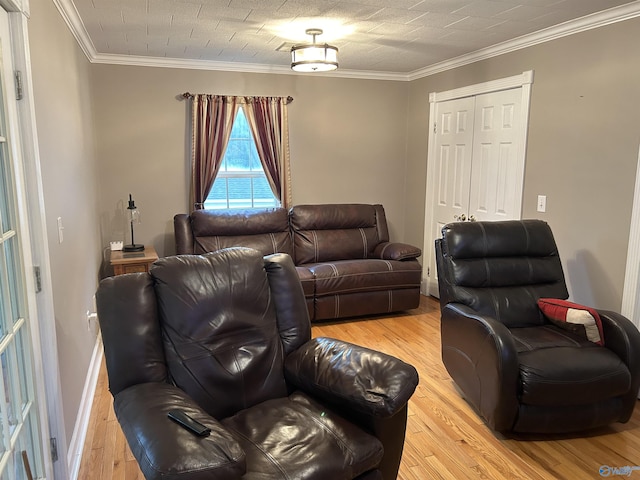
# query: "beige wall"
347,142
65,136
584,134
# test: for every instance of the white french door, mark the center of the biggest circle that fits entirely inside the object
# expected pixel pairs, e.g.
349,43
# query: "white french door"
23,433
476,159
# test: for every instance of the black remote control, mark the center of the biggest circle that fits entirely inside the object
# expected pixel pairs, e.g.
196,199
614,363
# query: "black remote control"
189,423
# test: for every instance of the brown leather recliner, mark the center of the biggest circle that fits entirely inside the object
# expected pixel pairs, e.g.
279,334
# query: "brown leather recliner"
225,337
520,371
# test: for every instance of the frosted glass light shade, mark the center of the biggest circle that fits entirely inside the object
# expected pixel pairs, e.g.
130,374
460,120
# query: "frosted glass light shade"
314,57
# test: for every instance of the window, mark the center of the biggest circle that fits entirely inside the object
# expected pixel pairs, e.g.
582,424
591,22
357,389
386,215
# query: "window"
241,181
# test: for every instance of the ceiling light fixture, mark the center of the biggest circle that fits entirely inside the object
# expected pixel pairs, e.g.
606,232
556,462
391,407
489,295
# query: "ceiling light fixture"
314,57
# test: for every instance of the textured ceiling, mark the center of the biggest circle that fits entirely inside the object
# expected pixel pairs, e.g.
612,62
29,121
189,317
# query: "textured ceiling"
398,37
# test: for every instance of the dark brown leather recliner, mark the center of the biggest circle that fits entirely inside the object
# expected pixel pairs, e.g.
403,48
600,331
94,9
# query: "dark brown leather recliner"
518,370
226,338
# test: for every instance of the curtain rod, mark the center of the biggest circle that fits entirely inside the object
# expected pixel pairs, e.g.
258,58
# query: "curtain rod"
191,95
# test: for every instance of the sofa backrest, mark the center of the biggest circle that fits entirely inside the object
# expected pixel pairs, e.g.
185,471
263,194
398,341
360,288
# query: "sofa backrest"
500,269
265,230
336,231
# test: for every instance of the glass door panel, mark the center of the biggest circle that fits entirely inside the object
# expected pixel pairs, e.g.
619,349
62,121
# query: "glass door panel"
20,445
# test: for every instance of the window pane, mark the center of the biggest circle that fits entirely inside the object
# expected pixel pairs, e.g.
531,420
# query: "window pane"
262,194
238,154
5,306
24,368
239,192
241,126
15,286
254,159
218,195
27,443
5,191
243,184
9,402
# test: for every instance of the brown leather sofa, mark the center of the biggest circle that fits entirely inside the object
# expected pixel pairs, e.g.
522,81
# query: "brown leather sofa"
343,256
225,337
521,371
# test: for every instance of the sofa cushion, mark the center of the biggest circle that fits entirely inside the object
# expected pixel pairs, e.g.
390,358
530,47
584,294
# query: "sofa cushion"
351,276
584,321
333,232
265,230
304,440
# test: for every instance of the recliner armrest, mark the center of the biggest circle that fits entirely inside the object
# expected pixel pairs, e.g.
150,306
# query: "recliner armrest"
480,354
396,251
163,448
342,373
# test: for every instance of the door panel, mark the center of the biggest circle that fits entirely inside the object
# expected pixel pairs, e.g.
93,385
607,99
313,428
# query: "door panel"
495,152
478,162
22,432
453,147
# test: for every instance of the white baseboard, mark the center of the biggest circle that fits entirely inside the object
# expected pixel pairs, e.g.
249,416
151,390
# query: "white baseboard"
74,453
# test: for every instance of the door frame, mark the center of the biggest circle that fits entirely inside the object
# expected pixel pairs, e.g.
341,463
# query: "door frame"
631,290
523,81
40,304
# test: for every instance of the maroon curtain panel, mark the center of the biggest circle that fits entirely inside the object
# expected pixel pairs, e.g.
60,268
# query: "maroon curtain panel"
267,118
213,117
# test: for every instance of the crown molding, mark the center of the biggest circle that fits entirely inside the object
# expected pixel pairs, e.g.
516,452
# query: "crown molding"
163,62
72,18
589,22
617,14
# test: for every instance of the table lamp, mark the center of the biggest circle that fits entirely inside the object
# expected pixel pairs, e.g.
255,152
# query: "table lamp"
133,216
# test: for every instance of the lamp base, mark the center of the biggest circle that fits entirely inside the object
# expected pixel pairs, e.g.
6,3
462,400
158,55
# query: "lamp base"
136,247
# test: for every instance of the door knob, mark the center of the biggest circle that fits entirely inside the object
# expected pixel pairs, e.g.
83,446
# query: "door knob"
460,218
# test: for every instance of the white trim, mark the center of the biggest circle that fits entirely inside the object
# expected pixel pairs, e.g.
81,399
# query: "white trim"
425,285
72,18
516,81
617,14
583,24
631,290
74,455
523,81
142,61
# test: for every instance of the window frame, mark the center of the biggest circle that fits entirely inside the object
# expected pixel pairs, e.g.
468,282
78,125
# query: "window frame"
225,174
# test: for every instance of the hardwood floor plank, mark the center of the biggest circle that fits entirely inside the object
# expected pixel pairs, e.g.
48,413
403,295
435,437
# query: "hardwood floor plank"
445,438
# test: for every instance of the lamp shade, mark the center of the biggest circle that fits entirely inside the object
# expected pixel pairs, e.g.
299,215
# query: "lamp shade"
314,57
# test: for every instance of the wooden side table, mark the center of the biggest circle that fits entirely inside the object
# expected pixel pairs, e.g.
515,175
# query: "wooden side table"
132,262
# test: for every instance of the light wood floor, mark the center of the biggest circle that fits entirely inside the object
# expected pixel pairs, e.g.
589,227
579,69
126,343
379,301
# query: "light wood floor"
445,438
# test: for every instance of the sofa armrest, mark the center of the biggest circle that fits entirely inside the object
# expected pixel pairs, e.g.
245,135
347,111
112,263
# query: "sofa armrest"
183,234
361,379
163,448
396,251
480,354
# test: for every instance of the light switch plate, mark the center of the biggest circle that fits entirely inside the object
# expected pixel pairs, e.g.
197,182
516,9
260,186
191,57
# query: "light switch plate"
542,203
60,229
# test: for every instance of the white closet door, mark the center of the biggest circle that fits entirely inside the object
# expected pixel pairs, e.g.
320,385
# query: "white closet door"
478,160
496,170
452,155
